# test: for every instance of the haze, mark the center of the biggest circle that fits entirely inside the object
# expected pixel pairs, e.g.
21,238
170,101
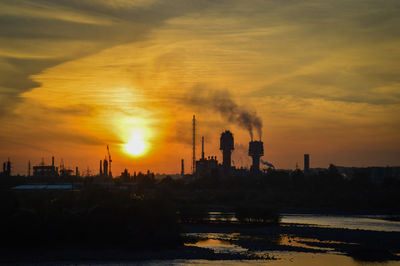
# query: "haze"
323,77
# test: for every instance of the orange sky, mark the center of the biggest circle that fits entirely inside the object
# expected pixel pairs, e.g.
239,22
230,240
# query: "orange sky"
78,75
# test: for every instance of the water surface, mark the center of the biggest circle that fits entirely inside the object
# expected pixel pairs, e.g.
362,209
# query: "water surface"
363,222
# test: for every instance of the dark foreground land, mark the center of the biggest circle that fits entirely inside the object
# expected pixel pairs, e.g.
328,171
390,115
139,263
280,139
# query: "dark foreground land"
143,219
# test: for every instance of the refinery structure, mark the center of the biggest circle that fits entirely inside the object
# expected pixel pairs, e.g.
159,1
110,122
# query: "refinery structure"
210,166
205,166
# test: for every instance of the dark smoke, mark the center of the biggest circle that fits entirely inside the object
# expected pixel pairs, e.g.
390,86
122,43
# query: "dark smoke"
222,102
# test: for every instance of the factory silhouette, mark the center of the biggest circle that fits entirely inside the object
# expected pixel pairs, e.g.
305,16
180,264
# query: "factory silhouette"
205,166
208,166
54,206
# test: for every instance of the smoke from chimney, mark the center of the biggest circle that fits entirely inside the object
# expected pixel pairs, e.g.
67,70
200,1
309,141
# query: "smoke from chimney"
267,163
222,102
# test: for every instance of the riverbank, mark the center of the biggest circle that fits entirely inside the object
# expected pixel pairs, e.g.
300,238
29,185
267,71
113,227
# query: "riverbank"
234,242
364,245
341,211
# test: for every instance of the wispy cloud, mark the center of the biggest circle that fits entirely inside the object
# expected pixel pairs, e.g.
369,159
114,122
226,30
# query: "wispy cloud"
322,75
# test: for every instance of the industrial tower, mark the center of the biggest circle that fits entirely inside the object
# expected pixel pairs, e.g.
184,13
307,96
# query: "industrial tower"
194,145
227,146
109,162
306,163
256,150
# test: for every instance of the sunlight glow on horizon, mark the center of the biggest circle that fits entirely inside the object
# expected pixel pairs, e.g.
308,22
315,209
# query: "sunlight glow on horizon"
137,144
324,85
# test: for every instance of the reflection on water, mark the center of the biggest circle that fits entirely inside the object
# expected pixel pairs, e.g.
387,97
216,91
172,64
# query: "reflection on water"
321,253
326,259
217,242
363,222
218,246
284,258
222,217
301,242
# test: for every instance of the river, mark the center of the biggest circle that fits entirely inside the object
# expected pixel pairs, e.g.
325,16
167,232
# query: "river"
318,252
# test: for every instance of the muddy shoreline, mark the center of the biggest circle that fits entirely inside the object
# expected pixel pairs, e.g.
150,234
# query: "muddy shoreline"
258,240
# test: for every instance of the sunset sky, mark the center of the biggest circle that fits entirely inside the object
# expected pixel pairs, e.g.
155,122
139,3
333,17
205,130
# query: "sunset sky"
76,75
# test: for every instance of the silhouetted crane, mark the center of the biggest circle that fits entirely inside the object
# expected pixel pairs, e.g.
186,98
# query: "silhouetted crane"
109,161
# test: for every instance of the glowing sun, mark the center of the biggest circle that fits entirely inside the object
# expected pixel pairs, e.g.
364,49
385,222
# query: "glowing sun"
136,145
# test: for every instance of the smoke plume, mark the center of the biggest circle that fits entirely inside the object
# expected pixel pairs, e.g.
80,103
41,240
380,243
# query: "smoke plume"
267,163
222,102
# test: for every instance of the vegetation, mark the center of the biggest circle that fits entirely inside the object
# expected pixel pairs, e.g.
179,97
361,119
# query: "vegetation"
91,217
144,212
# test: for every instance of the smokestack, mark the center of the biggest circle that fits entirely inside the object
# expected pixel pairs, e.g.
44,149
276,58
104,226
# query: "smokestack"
101,165
202,147
8,167
29,168
52,161
194,145
227,146
182,167
105,167
256,150
306,163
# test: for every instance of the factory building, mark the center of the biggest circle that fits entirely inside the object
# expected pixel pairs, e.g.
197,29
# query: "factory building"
206,166
43,170
374,173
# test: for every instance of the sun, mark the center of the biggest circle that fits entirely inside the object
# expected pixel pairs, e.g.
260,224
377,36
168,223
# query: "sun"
136,145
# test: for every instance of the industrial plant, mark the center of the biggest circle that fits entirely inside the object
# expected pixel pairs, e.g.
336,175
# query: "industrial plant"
205,166
209,166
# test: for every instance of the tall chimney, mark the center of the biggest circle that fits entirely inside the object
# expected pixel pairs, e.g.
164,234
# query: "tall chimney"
52,161
105,167
182,167
29,168
202,147
194,145
101,165
8,167
306,163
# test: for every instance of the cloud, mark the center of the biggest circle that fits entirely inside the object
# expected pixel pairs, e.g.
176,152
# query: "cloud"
309,68
36,35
